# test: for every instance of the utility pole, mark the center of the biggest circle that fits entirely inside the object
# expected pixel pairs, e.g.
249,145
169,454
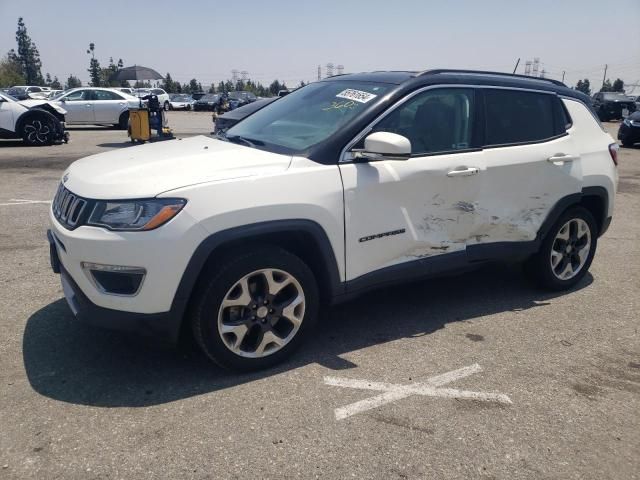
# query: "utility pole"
604,77
340,69
329,67
245,75
536,65
527,68
319,73
563,76
234,75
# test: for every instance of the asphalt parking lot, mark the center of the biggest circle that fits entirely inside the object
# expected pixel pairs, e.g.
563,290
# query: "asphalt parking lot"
476,376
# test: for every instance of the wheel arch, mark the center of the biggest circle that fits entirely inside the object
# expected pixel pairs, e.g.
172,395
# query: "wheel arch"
31,113
594,199
304,238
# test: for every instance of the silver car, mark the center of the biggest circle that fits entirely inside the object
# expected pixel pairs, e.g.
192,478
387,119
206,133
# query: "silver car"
96,106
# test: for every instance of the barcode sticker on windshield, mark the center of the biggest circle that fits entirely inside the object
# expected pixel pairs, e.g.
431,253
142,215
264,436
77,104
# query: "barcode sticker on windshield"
356,95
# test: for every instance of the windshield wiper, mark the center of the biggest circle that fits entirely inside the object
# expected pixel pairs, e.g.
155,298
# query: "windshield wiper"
250,142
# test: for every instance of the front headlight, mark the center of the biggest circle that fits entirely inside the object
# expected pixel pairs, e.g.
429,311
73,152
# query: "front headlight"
132,215
627,122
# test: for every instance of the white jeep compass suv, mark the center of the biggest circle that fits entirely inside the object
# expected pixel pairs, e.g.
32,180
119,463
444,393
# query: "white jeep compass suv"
351,183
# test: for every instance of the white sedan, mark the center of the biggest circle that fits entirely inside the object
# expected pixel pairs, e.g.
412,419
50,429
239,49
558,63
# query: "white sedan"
96,106
181,101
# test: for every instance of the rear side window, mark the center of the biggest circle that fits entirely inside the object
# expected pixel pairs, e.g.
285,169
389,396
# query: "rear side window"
519,117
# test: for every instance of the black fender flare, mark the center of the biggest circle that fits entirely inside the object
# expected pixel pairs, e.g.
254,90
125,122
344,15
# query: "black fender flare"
575,199
208,246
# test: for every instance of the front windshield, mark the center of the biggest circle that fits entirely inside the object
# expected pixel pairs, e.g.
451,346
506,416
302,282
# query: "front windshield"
309,115
58,95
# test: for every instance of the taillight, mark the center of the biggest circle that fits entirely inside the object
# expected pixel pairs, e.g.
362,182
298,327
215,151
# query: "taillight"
613,151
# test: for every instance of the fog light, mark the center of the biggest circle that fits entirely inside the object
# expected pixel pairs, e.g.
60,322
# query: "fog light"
115,279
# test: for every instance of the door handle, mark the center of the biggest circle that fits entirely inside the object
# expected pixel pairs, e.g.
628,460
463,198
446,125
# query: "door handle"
561,157
463,172
87,104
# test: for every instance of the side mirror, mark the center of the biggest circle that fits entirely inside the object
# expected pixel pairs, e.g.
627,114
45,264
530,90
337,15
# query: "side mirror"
384,146
63,99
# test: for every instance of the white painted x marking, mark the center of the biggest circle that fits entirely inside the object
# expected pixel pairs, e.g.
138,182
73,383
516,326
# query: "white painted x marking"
21,201
394,392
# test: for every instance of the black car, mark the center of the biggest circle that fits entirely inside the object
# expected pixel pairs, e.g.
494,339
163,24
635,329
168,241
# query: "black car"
207,102
227,120
629,131
613,105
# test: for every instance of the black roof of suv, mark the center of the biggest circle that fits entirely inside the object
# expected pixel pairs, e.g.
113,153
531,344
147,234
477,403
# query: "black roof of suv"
413,80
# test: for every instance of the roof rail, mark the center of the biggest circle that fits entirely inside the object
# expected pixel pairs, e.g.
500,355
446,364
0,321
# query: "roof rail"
483,72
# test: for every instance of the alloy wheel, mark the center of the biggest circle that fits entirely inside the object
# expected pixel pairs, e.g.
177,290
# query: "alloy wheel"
261,313
37,132
570,249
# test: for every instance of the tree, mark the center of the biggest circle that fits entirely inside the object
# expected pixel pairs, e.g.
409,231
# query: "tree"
220,87
95,72
618,85
606,86
584,86
73,82
55,84
27,56
302,84
10,73
168,85
276,86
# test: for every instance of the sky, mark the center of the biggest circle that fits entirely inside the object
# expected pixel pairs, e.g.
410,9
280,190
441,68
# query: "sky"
288,39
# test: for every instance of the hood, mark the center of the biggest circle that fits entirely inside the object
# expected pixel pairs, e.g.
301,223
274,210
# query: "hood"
40,103
148,170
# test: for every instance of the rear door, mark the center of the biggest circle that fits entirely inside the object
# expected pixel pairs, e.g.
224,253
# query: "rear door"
531,162
108,105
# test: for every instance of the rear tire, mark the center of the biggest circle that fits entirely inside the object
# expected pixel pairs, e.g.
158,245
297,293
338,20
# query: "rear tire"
38,131
566,252
255,309
123,121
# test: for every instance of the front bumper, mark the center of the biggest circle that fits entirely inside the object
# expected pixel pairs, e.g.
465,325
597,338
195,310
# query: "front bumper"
164,327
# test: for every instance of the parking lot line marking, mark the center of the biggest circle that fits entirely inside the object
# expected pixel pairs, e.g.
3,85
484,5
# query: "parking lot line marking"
21,201
394,392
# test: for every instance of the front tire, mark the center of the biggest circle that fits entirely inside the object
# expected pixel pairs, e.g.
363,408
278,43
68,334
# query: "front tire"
566,252
255,309
38,131
166,106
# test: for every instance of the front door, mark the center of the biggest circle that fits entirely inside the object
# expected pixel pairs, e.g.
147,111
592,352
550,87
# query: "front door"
79,107
399,211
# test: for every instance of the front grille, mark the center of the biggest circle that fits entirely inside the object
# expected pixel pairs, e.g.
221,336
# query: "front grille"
68,208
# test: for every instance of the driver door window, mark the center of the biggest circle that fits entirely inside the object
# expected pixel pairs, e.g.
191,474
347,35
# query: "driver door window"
77,96
435,121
